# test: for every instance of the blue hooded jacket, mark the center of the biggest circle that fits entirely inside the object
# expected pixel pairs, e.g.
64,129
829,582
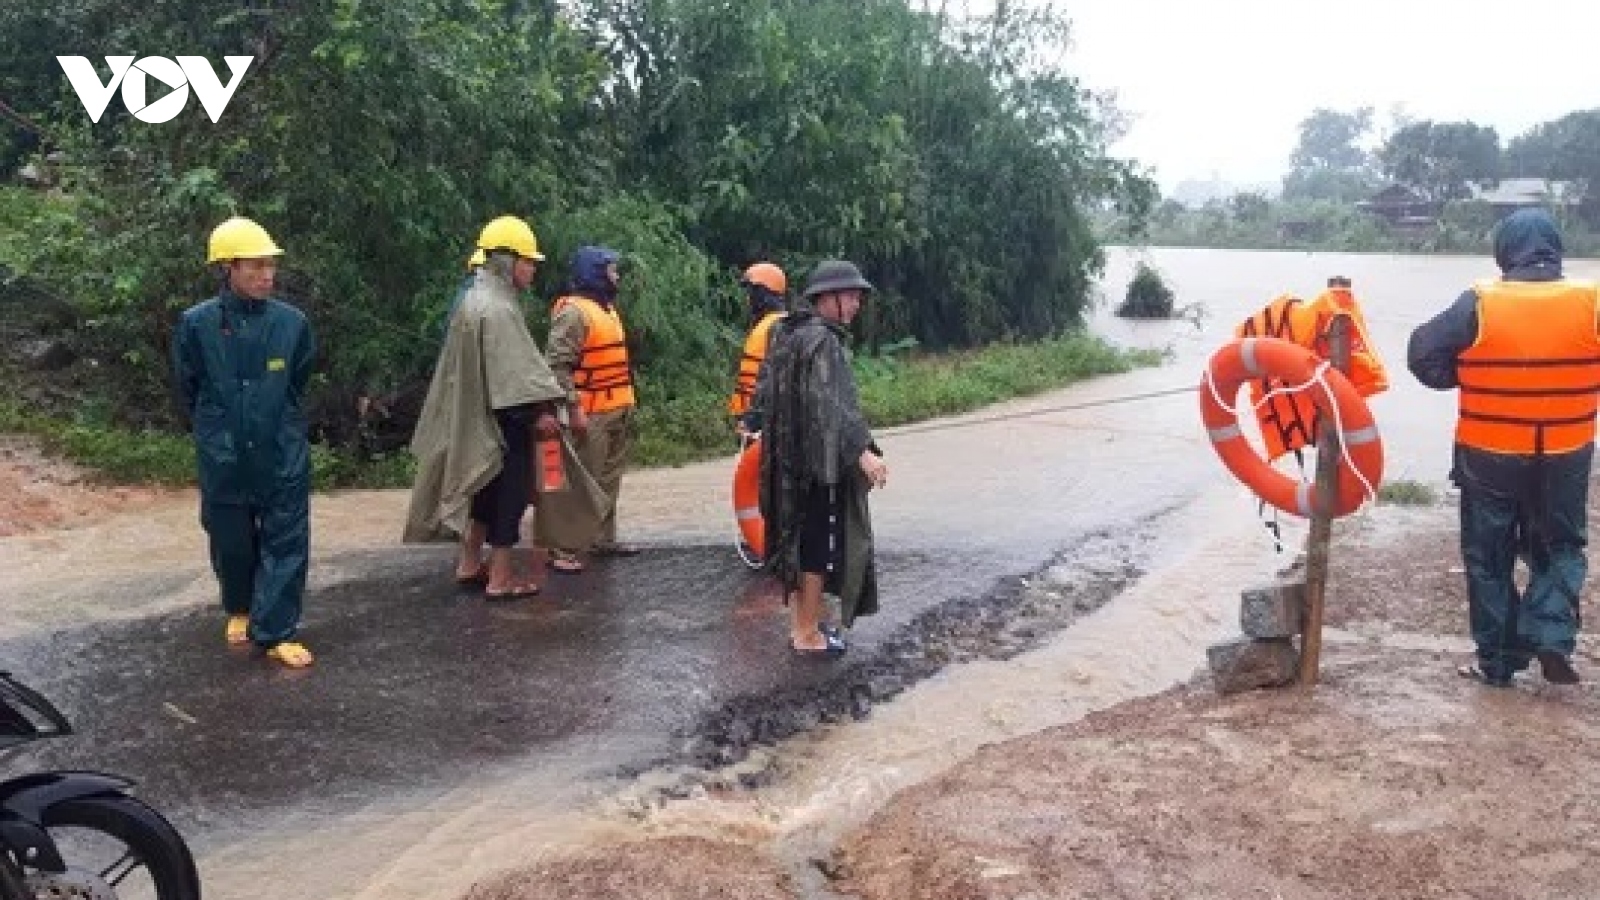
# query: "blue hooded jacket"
589,274
1527,247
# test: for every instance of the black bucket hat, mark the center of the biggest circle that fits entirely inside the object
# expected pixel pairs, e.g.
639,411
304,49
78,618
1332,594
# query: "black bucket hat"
835,275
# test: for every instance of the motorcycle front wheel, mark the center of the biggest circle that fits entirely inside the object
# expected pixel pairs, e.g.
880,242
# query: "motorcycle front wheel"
150,843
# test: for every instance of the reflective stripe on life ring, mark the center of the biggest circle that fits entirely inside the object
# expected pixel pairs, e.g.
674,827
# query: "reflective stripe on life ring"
1240,361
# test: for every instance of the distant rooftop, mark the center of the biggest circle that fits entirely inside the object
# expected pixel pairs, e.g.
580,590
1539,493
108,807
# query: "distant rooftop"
1531,191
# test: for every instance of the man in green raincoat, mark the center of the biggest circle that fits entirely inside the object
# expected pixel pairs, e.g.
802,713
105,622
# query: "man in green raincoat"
491,392
818,461
242,361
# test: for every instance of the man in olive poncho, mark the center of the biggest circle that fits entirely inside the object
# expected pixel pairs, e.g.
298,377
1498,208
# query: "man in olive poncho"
491,392
818,462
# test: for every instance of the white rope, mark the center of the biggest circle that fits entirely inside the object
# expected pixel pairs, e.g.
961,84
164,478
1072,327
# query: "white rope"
1318,377
1344,449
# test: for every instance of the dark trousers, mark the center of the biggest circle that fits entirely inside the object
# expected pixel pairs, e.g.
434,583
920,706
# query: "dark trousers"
821,531
260,554
1537,510
499,505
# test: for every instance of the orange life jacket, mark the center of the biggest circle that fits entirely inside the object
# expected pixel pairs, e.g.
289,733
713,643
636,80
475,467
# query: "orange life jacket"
755,351
603,378
1366,369
1531,381
1289,422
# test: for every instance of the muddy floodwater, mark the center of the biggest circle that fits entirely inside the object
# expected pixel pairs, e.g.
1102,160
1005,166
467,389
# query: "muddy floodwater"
1046,558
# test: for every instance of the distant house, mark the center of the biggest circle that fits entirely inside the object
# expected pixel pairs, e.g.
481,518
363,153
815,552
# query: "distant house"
1401,207
1296,229
1512,194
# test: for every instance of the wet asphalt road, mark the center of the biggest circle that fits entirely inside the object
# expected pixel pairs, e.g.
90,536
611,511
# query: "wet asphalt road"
418,679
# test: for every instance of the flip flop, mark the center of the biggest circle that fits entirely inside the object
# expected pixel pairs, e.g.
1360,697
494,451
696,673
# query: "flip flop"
291,654
527,589
479,577
238,630
565,562
615,550
835,646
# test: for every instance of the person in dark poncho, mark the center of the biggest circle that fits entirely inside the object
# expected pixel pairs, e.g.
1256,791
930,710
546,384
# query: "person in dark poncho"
818,462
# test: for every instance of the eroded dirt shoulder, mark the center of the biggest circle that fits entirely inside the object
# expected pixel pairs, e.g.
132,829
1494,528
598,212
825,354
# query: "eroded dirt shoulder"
1396,778
39,494
1399,779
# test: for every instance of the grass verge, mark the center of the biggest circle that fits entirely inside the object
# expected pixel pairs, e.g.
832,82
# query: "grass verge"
674,429
1404,492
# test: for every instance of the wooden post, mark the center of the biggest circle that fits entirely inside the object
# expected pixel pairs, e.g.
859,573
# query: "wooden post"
1327,493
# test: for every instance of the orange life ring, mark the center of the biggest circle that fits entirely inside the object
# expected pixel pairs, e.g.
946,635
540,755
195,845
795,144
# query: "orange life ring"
1240,361
747,498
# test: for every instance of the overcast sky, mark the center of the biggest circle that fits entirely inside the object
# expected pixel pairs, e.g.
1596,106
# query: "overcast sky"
1219,86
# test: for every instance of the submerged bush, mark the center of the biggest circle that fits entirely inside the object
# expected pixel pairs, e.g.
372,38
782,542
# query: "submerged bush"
1148,296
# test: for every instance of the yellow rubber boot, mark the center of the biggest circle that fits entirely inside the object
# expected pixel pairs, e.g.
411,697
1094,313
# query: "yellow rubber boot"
291,654
238,630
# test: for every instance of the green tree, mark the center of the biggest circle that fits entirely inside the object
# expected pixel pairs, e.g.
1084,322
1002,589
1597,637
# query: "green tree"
1329,162
1329,139
956,158
1566,149
1441,160
1250,208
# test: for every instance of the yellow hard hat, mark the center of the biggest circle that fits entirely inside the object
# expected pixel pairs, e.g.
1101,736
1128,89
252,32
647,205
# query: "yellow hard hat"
477,259
768,276
240,238
510,233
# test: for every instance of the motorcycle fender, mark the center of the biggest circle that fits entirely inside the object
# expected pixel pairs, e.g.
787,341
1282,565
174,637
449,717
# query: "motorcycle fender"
24,800
30,843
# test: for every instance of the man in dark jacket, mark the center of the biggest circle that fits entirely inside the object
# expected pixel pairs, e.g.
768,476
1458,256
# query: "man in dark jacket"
818,461
242,361
1525,354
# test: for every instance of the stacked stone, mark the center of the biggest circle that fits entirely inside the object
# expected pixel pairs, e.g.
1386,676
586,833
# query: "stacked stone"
1266,656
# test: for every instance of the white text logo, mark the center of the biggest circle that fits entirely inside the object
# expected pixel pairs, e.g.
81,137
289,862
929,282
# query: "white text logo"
180,76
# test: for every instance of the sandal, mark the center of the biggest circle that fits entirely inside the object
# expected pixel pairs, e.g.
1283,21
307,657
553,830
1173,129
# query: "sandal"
834,646
615,550
292,654
479,577
517,592
565,562
238,629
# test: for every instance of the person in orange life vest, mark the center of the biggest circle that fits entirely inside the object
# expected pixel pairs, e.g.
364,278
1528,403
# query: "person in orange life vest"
588,351
1524,352
765,285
